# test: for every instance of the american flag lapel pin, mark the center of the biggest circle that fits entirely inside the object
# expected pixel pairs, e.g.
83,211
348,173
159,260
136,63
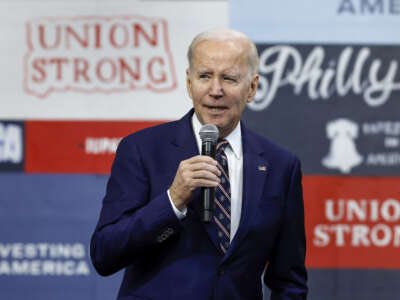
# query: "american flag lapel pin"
262,168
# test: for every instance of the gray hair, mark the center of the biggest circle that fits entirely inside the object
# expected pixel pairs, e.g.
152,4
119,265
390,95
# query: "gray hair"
223,34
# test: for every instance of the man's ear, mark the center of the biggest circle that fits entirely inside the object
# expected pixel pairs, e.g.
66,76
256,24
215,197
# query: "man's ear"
253,88
188,83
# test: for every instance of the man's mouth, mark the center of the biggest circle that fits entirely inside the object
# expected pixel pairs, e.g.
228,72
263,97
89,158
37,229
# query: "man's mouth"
215,108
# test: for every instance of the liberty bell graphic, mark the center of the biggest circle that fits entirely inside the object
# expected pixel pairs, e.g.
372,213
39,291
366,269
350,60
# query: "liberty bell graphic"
343,154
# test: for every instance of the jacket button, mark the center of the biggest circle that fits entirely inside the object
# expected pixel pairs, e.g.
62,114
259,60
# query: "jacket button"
220,272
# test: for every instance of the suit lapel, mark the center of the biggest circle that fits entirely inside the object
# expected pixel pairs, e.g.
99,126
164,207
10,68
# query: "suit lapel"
184,139
186,143
255,170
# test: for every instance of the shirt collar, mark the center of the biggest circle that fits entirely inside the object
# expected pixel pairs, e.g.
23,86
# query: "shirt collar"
234,138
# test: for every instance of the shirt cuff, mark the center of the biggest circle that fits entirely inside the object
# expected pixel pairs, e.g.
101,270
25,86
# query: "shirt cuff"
179,214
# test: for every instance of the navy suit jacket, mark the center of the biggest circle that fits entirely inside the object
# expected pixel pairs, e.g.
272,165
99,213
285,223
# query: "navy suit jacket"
167,258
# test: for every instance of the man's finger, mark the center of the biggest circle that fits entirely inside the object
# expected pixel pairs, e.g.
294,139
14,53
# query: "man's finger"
205,166
205,183
202,158
205,174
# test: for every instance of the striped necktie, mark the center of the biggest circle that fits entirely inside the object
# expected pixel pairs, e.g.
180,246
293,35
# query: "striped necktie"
222,211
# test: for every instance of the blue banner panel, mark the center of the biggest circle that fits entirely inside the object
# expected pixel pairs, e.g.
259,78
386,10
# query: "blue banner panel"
12,145
45,227
336,106
352,284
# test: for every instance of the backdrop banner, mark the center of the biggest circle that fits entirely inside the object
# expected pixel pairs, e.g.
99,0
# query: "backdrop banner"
329,92
76,77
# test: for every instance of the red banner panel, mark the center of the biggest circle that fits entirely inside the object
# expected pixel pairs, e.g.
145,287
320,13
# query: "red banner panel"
75,146
352,222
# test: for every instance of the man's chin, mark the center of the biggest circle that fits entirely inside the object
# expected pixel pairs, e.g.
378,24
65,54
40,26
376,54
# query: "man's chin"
223,131
219,125
217,120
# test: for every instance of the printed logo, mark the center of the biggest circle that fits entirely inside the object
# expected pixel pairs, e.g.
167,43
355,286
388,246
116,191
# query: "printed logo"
39,259
101,145
351,220
320,76
343,154
368,7
11,146
98,54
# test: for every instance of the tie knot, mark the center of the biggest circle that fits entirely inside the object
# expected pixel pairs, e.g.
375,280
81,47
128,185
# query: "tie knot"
222,144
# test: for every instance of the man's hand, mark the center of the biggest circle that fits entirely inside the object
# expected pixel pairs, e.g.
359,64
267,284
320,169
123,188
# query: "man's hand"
197,171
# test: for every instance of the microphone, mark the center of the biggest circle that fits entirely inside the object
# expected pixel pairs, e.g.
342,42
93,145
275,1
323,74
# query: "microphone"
209,136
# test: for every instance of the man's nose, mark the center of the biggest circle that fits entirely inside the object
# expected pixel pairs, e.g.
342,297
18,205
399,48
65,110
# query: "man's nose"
216,89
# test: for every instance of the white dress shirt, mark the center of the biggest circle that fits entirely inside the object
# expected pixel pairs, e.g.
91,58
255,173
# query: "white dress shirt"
234,154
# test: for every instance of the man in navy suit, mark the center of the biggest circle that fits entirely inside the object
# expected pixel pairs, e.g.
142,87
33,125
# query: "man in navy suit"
150,222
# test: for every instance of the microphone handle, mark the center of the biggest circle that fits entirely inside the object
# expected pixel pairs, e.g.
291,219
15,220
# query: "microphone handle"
208,193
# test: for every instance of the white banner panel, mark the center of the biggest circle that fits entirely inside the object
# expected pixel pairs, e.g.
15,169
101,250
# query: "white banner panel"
333,21
99,59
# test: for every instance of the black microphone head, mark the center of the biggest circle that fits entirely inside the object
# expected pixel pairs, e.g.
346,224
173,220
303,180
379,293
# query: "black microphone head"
209,133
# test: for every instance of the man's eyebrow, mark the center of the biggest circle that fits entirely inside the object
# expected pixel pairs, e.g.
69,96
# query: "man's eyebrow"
235,75
203,71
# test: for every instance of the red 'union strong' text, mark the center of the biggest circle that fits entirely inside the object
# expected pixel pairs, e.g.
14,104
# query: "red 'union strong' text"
98,54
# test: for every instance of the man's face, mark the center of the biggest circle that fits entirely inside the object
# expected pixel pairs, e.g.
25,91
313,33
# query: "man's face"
218,83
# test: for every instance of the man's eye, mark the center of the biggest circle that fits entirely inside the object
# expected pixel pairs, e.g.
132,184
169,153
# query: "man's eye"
230,79
204,76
